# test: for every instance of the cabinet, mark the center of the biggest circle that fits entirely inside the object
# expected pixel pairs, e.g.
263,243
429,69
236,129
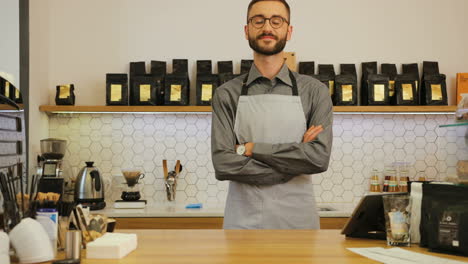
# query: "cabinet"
201,222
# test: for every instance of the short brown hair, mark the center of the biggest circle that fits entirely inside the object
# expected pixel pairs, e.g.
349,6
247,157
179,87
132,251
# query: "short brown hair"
253,2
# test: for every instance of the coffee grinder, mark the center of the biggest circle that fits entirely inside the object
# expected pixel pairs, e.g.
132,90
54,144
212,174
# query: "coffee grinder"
50,161
49,168
131,194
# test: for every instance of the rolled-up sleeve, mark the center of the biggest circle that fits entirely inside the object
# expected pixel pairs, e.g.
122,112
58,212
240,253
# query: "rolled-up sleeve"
303,158
227,163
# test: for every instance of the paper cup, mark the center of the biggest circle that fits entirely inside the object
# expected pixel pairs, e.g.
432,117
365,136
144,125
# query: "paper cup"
30,242
4,248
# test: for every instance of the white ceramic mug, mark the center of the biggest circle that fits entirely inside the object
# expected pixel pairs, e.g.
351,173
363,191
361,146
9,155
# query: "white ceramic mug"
30,241
4,248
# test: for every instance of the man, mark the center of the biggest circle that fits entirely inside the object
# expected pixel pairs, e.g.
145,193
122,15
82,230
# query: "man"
260,140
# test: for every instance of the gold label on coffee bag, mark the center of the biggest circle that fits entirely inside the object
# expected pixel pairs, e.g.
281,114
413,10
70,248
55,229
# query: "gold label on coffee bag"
64,91
347,93
17,93
145,92
379,92
7,89
407,91
331,87
436,92
176,93
207,92
116,92
391,88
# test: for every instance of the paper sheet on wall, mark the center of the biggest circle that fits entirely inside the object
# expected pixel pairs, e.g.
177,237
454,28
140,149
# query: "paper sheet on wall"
400,256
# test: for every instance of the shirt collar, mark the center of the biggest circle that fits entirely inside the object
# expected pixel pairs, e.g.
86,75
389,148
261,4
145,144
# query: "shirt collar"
282,75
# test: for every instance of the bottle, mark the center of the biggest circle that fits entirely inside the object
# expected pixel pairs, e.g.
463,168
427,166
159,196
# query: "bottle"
404,178
421,176
387,175
375,182
392,181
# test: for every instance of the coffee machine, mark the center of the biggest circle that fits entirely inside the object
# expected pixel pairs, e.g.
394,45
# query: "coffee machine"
89,187
50,161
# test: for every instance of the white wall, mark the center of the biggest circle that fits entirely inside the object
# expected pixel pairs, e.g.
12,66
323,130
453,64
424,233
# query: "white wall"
39,75
80,41
90,38
9,41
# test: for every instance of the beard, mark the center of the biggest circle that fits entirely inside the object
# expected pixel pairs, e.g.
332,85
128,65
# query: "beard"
279,46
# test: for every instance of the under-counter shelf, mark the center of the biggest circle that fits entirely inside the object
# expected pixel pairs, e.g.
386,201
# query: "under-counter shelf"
58,109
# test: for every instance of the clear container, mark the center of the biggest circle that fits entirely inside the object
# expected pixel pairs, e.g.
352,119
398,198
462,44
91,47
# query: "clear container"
375,182
397,210
421,176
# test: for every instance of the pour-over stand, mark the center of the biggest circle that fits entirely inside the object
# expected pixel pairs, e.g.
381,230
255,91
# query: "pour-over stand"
131,194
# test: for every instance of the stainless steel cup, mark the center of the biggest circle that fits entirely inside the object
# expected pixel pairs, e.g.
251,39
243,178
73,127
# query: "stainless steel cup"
73,245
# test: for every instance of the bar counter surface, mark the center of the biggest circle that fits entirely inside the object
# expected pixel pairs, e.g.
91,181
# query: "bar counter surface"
248,246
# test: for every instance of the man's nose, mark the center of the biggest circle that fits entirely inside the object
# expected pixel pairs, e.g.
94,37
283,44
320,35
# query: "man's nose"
267,27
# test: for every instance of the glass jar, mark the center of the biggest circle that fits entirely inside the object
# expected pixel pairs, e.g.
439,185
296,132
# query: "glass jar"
375,182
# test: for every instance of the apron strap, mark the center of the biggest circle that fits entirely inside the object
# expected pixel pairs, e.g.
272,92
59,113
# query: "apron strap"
295,92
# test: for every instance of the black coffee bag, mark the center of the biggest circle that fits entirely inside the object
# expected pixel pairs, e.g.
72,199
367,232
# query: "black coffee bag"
368,68
16,95
117,89
5,87
433,85
328,71
207,82
391,71
206,86
307,68
346,86
65,95
177,84
225,71
345,90
158,68
180,66
405,90
176,89
348,69
204,67
245,66
378,89
159,71
434,90
444,218
136,69
146,90
413,70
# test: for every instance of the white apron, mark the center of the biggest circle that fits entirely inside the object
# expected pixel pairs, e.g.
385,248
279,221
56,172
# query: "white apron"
273,119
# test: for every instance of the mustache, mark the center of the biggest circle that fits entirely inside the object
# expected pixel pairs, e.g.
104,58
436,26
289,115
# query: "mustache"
267,35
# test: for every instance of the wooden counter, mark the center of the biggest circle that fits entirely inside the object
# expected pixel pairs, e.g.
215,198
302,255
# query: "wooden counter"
247,246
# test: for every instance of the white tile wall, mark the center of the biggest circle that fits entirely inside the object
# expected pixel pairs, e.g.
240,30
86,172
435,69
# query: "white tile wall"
361,143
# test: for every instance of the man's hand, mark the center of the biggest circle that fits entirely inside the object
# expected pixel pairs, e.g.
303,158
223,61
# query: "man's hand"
312,133
248,149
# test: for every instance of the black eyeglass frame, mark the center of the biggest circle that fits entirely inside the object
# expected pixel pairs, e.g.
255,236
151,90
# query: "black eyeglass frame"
284,20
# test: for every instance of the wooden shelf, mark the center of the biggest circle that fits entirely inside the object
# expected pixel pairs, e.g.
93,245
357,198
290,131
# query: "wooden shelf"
396,109
54,109
9,107
123,109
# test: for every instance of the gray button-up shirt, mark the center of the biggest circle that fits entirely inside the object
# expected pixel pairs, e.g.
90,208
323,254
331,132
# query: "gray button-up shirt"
270,163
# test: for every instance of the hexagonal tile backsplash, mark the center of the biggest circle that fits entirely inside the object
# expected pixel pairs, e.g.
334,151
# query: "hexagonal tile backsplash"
361,143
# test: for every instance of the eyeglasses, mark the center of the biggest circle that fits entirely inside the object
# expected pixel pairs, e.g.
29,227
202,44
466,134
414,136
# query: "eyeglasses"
275,21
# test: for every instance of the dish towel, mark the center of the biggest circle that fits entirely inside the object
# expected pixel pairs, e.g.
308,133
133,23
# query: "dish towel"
416,202
4,248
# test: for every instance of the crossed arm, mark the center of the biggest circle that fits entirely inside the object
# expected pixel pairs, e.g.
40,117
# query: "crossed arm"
268,164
